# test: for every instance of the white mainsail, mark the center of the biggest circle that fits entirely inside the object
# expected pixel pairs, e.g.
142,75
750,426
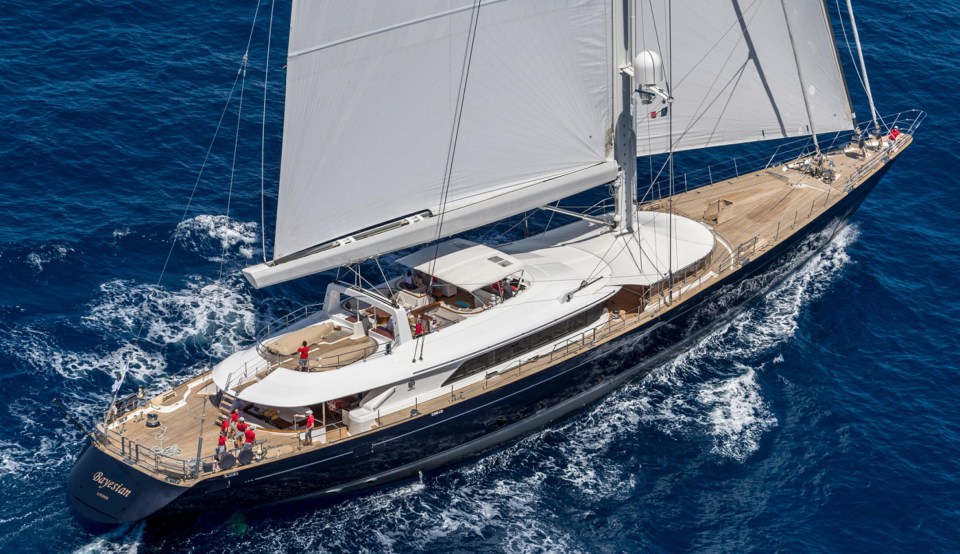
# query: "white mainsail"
734,75
372,91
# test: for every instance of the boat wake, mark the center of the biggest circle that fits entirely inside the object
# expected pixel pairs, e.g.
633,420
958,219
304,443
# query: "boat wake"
710,397
215,235
712,390
125,539
39,352
217,316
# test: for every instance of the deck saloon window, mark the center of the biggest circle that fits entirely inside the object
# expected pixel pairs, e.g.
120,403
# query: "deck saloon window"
526,344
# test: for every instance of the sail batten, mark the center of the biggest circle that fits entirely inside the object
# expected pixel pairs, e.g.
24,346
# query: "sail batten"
737,74
371,98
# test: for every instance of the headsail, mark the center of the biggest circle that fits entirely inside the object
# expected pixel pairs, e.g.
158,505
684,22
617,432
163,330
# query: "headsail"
735,77
372,89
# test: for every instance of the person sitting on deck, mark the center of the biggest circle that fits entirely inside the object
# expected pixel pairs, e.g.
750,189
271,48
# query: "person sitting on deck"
408,280
895,133
304,351
418,282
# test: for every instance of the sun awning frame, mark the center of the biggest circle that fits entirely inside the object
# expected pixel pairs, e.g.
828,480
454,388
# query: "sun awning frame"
463,263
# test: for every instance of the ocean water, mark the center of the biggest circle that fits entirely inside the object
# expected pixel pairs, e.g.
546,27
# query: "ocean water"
822,419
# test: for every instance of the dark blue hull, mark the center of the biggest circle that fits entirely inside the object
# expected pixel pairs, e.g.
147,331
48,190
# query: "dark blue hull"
469,427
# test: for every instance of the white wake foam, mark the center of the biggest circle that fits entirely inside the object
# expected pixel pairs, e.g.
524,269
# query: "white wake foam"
142,366
219,314
46,254
712,389
736,415
214,235
40,352
125,539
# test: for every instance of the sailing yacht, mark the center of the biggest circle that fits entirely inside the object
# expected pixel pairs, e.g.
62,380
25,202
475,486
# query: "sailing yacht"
409,123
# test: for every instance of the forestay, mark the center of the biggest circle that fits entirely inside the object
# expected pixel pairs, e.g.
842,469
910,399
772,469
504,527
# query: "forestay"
372,91
735,78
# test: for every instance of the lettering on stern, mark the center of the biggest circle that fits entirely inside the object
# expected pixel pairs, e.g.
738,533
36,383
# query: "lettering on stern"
110,485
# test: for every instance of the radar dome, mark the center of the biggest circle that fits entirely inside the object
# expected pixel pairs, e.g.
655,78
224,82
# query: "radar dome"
646,68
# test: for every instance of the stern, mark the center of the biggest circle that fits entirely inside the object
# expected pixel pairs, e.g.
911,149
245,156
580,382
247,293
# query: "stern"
106,490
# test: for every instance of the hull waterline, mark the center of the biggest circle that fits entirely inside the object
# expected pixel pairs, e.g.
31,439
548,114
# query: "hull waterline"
466,428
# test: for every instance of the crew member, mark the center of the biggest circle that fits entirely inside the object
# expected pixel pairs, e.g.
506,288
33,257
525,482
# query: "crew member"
221,446
241,431
304,351
308,428
249,437
895,133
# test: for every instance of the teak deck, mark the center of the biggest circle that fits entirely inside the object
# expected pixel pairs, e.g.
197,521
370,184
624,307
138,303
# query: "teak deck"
768,206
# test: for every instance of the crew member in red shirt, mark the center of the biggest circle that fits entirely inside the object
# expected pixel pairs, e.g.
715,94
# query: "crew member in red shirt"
249,436
225,426
308,438
895,133
241,431
304,351
221,446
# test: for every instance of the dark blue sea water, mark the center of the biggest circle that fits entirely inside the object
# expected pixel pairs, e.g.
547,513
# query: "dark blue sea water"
822,419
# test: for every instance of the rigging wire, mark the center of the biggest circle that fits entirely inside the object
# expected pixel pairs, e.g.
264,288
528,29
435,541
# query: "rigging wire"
454,136
455,131
241,74
550,219
263,138
670,222
384,275
864,80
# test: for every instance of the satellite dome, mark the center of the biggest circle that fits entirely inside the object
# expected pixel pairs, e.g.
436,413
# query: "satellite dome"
646,68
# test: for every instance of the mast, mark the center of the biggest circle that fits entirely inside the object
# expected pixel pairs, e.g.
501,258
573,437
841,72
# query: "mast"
863,67
625,124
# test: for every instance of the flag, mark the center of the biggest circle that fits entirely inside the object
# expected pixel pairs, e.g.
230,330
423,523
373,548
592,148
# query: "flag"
118,382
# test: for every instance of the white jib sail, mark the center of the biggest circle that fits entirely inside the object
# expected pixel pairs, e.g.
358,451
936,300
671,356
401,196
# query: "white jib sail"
735,78
372,91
